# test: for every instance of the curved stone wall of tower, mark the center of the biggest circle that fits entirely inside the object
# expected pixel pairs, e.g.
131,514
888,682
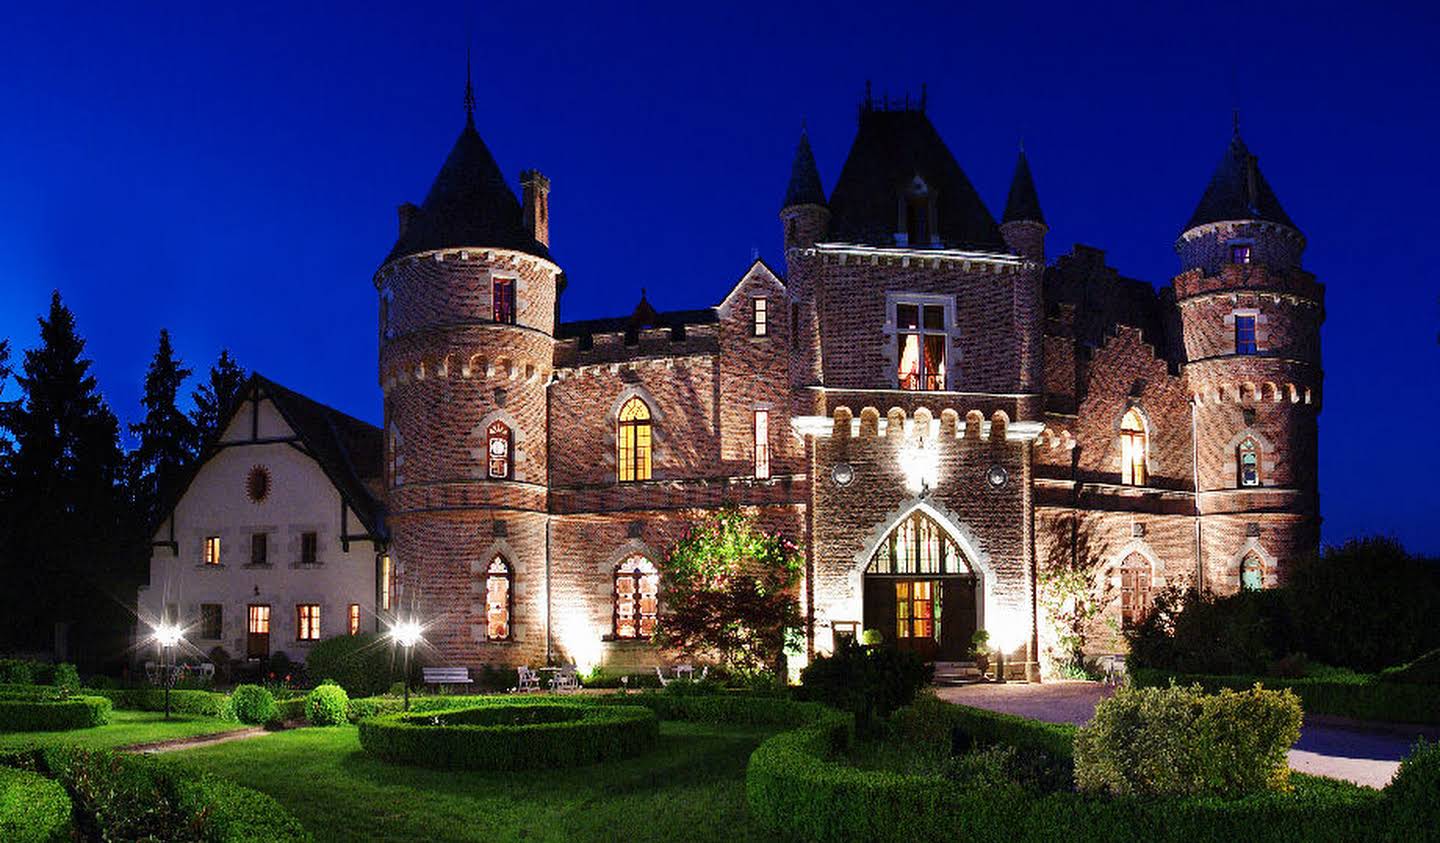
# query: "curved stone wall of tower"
449,371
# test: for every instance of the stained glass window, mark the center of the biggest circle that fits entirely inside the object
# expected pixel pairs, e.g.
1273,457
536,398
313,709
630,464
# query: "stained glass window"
1248,459
499,591
637,598
918,545
497,449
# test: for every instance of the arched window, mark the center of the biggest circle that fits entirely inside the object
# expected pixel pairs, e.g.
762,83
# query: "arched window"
1135,594
1252,573
497,448
633,439
918,545
499,599
1247,460
637,598
1132,449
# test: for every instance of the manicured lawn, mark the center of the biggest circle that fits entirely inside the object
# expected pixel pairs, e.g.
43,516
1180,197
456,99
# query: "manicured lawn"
125,728
691,787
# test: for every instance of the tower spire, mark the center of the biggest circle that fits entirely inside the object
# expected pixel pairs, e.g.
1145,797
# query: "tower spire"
469,93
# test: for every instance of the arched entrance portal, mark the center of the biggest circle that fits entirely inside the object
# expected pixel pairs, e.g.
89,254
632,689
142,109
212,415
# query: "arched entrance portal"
920,591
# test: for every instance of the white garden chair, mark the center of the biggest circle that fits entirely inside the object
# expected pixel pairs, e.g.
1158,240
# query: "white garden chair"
659,674
565,680
529,680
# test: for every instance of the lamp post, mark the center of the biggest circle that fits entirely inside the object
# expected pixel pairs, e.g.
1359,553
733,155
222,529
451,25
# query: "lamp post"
407,635
168,635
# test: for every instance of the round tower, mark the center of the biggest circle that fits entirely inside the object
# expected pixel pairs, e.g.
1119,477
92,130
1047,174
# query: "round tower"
804,213
467,319
1023,227
1250,318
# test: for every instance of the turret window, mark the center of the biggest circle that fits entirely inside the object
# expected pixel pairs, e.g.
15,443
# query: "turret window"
760,317
921,353
1241,253
1245,340
633,440
1133,449
1248,463
497,448
503,299
499,599
1252,573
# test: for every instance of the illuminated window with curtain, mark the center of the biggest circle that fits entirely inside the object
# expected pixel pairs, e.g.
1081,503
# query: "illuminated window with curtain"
637,598
212,550
760,317
1248,462
762,444
499,599
503,298
387,582
307,622
633,440
1245,339
1132,449
920,333
352,619
1252,574
497,447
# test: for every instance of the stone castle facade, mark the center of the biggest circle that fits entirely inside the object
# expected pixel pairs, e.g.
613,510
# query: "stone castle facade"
933,411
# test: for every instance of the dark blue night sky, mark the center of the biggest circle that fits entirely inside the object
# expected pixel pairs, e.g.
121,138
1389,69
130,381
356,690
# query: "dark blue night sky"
233,175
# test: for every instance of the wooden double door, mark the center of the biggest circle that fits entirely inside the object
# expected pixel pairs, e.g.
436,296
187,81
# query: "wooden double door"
933,617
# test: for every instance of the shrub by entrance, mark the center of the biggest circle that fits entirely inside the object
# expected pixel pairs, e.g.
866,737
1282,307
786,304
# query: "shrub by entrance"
513,735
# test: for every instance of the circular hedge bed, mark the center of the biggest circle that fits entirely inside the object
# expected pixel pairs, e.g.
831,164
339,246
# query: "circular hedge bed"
510,734
40,713
32,807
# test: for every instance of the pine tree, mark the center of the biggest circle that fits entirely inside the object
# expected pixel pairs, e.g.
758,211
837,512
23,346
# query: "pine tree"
69,537
166,435
213,399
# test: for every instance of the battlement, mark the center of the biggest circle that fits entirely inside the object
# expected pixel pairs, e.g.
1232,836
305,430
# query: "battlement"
1248,277
896,424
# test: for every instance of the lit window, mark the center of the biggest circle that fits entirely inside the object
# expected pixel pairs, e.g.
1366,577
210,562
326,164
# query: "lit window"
634,441
1132,449
1245,335
1248,459
387,582
503,298
917,545
499,598
1240,253
259,549
352,619
307,622
257,642
921,338
212,550
762,443
1252,574
1135,595
915,609
637,598
497,439
759,324
211,628
309,542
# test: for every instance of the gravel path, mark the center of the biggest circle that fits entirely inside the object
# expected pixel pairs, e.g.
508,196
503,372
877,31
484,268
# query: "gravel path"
195,741
1364,753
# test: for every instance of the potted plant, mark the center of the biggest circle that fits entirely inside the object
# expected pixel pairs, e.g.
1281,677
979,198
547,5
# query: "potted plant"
980,650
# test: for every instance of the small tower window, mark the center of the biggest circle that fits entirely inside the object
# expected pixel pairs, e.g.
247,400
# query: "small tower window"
1245,340
497,448
633,439
1240,253
760,317
1248,459
637,598
1133,447
1252,573
762,444
503,299
921,336
499,599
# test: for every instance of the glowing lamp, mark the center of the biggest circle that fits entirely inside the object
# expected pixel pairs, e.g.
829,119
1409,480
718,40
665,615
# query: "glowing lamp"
168,634
920,463
406,633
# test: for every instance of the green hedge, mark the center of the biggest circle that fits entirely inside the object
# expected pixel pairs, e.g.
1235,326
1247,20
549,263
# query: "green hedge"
33,809
1365,698
203,703
44,714
511,733
126,797
930,721
729,707
799,787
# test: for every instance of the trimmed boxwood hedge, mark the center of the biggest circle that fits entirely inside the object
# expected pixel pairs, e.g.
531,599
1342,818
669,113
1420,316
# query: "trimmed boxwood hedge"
799,787
729,707
510,733
131,796
1364,699
203,703
38,713
33,809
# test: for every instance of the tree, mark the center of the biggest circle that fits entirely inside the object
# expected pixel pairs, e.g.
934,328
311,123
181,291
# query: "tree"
728,588
166,435
68,535
214,398
1072,594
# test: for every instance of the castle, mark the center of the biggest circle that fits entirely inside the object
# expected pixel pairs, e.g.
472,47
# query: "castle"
933,412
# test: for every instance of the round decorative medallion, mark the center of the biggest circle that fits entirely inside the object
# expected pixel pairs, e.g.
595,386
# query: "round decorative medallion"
842,474
257,483
997,476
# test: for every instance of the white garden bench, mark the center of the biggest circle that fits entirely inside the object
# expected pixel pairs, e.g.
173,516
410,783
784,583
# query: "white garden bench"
444,676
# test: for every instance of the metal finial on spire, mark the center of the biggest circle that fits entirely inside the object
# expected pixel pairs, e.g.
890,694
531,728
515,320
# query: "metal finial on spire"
469,93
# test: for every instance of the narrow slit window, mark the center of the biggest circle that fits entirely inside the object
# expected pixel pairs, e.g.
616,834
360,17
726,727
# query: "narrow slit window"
387,582
499,599
503,298
497,446
352,619
760,317
762,444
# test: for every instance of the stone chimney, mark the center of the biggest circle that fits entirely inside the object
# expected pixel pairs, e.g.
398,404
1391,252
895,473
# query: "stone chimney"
536,205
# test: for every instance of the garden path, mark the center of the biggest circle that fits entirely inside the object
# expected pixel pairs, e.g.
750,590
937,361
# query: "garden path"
1364,753
195,741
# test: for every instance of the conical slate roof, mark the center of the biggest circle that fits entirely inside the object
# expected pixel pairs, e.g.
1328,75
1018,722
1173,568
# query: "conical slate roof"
1238,191
470,204
805,187
891,148
1023,204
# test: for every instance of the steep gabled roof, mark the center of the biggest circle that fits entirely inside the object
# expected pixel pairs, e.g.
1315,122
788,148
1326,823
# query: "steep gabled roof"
644,316
891,148
1238,191
1023,203
805,187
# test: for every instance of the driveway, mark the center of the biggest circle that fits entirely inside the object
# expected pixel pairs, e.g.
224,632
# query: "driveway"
1364,753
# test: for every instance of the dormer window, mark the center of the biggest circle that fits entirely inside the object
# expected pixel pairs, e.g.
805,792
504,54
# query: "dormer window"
503,299
917,214
1241,253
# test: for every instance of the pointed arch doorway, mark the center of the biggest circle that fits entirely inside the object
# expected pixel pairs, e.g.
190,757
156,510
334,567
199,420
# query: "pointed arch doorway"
921,592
